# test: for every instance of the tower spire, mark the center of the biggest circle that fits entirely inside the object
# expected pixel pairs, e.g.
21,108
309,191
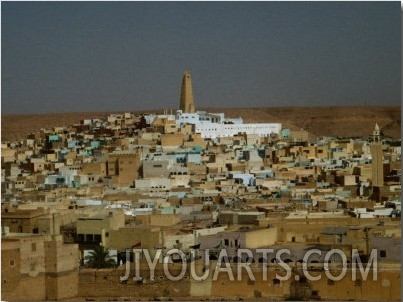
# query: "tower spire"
376,134
186,101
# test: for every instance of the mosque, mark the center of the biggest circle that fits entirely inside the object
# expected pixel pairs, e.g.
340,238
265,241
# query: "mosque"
215,125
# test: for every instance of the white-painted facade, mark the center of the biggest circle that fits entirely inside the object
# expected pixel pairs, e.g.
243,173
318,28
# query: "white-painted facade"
199,117
209,130
215,125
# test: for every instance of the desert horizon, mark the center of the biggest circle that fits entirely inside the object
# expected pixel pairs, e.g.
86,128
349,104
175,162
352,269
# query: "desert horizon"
349,121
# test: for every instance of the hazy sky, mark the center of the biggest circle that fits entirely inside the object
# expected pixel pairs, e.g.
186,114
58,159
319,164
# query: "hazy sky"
118,56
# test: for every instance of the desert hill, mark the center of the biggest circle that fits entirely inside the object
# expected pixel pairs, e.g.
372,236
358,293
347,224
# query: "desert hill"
319,121
328,121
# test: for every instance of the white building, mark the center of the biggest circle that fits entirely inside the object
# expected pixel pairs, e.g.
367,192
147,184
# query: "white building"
198,117
209,130
216,125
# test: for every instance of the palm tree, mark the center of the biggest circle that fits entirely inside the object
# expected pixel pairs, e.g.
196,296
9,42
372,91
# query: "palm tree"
100,258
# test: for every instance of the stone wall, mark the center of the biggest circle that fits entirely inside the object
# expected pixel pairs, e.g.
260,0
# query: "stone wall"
105,283
10,265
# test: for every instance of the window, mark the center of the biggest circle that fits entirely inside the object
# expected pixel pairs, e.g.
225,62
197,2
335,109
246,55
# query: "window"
358,282
12,262
107,234
226,242
276,281
382,254
33,247
97,238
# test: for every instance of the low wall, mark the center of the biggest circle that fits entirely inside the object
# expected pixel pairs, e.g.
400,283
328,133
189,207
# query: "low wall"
105,283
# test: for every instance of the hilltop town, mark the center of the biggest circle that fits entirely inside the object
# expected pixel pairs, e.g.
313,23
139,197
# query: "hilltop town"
199,182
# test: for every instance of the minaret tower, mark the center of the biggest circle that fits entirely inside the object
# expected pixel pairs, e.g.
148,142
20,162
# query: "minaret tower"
377,162
187,103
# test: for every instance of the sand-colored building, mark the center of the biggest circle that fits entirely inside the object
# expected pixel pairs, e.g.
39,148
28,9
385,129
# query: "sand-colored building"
123,168
36,267
22,221
95,230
